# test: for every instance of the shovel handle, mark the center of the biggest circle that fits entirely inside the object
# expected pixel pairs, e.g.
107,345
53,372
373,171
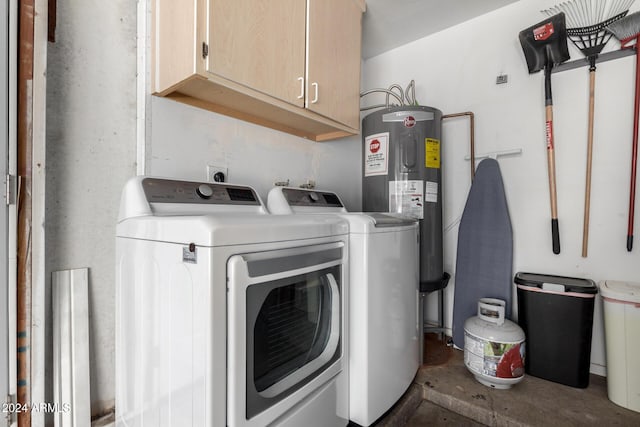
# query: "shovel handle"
551,164
555,236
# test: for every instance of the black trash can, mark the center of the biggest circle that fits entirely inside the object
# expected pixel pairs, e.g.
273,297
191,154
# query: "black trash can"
556,315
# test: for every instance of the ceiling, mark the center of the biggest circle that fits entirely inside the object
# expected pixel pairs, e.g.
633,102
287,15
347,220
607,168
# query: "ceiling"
388,24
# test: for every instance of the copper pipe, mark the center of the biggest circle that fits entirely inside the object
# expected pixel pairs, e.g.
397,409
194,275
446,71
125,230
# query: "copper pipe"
472,148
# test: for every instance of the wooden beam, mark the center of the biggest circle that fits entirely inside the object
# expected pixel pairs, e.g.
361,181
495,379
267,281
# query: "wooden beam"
26,16
51,28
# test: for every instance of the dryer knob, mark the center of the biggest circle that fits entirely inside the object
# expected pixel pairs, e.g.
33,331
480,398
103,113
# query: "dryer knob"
204,191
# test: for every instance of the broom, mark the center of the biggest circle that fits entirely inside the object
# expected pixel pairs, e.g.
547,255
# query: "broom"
587,21
627,30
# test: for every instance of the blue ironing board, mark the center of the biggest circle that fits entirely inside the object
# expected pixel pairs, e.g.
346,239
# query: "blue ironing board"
485,248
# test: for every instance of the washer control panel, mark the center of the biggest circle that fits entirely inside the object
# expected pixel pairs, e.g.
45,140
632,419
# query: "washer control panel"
303,197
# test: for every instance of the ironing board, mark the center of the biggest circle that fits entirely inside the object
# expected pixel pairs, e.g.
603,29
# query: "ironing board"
485,248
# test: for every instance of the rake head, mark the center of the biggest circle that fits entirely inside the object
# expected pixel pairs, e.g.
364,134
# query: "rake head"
587,22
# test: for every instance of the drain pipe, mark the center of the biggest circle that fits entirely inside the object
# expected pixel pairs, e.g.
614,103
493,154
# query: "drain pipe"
472,149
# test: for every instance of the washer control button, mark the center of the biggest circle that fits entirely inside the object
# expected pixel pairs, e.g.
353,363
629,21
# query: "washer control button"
204,191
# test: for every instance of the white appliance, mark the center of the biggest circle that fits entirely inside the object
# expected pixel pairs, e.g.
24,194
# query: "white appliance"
384,327
227,315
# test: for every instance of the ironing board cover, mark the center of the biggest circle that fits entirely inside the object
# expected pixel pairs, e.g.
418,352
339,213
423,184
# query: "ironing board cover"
485,248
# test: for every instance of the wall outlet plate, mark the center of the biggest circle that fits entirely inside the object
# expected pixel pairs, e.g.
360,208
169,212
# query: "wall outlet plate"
212,170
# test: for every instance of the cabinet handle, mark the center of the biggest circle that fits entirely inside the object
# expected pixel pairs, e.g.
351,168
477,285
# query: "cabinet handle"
315,98
301,80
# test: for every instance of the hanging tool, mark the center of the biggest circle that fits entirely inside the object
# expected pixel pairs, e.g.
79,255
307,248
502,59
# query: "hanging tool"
544,46
587,21
627,30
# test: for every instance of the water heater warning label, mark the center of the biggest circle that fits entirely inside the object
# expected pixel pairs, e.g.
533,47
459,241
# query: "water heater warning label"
432,153
376,154
407,198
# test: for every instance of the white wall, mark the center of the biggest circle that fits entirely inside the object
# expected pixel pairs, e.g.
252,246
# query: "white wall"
91,152
455,70
184,140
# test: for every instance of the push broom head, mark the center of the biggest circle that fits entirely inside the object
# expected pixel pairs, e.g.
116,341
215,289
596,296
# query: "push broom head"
545,44
626,29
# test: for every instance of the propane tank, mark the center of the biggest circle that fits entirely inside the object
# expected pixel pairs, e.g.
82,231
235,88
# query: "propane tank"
494,347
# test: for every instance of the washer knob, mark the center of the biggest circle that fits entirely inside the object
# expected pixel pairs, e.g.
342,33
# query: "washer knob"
204,191
314,197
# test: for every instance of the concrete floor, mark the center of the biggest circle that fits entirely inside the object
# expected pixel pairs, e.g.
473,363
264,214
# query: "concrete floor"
447,394
444,393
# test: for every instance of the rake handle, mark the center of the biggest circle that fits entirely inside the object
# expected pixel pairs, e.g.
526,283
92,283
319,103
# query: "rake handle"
587,188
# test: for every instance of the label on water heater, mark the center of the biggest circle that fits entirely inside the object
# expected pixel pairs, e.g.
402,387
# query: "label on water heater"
376,154
431,192
407,198
432,153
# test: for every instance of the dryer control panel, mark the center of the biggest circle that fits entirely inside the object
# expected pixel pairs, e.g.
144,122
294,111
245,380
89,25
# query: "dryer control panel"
144,196
158,190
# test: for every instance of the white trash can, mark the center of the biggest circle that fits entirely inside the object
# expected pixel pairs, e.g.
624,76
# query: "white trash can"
622,329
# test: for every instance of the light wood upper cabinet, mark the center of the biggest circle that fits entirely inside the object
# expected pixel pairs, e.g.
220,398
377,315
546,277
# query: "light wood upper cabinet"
260,44
292,65
333,68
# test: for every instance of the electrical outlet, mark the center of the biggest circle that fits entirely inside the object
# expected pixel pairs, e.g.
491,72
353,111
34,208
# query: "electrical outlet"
217,174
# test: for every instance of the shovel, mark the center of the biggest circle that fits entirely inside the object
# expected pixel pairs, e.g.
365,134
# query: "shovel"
544,46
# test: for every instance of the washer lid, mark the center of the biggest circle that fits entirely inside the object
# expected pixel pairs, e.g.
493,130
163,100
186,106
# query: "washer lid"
288,200
621,291
378,222
390,219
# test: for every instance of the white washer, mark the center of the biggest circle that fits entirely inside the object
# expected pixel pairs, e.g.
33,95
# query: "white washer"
227,315
384,351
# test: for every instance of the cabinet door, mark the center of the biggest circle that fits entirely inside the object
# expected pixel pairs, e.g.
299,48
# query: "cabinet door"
259,44
333,69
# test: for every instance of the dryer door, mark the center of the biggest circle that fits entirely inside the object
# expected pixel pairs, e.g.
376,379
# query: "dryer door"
285,322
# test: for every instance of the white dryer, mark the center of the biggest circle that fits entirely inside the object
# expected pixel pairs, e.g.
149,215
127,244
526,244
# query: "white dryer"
227,315
384,334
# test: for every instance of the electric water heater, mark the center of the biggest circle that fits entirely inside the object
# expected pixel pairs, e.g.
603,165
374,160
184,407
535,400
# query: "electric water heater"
402,173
